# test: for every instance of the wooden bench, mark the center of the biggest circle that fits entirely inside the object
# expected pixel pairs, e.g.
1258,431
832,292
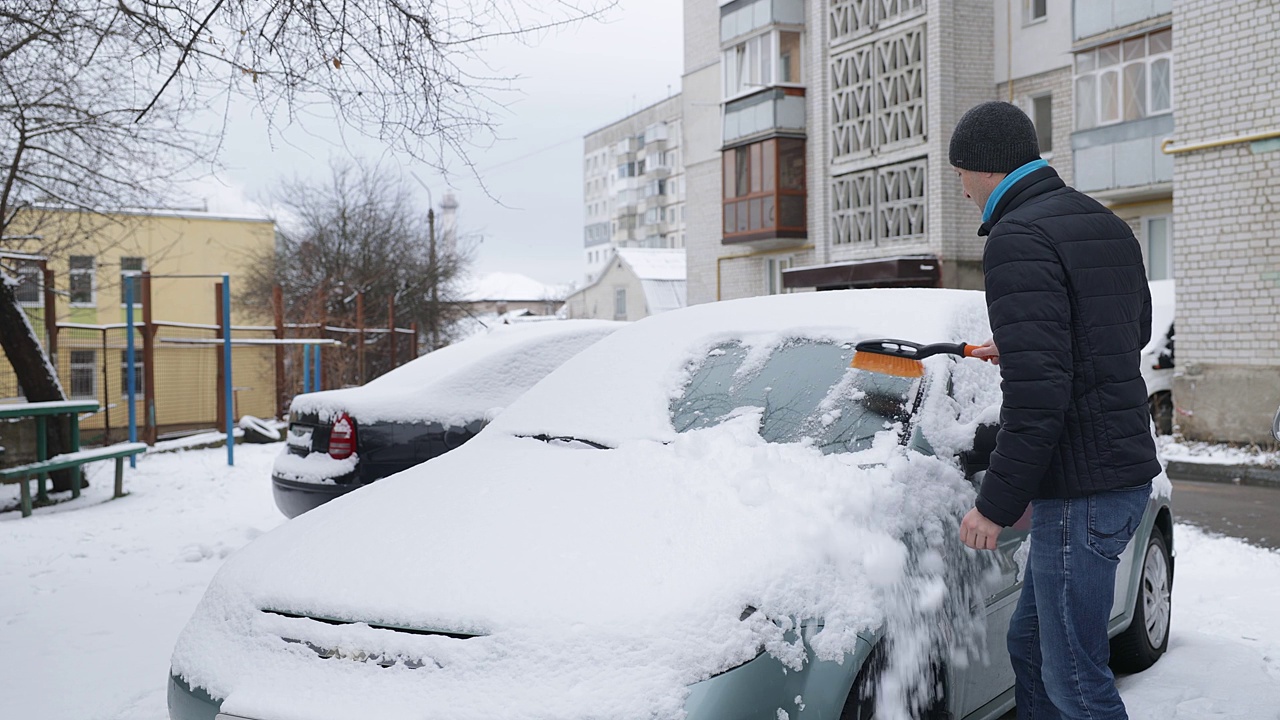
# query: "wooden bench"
24,474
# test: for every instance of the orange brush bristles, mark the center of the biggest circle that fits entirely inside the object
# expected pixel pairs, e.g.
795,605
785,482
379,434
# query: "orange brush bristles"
887,365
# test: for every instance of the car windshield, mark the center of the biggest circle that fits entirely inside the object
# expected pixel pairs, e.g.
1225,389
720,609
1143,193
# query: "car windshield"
805,390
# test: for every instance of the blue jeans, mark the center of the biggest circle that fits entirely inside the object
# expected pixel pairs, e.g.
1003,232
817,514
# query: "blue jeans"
1058,641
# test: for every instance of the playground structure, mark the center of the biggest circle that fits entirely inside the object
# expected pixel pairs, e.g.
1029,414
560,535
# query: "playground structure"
155,379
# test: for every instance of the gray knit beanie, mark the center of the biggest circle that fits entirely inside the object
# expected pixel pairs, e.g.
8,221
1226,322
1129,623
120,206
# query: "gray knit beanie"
994,137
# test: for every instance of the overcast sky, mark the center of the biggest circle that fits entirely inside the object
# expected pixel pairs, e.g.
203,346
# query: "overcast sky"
571,82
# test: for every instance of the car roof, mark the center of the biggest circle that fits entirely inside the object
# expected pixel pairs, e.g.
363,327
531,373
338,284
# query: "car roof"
620,389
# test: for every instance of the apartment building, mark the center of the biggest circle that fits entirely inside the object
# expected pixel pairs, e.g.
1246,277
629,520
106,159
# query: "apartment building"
829,168
633,190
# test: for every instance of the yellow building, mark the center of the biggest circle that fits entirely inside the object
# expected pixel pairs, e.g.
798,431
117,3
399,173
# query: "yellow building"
91,255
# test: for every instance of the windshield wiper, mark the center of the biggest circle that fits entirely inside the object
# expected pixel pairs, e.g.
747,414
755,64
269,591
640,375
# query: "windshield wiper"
566,439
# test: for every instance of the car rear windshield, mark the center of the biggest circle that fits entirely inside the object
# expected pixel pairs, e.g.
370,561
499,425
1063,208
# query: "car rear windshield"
805,389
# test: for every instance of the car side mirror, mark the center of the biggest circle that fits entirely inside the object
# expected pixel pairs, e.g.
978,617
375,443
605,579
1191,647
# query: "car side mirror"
1275,426
978,458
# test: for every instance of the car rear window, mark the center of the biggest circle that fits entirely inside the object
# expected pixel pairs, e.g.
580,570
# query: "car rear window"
805,389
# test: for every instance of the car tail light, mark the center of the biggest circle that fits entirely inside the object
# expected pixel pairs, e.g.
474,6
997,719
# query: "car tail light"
342,437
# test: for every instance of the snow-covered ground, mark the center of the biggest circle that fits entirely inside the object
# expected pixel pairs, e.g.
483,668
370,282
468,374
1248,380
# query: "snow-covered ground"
94,592
1215,453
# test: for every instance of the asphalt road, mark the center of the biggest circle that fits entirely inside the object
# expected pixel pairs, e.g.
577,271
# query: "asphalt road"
1248,512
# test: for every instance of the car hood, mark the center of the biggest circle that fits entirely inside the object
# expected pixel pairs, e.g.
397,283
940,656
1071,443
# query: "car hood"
635,562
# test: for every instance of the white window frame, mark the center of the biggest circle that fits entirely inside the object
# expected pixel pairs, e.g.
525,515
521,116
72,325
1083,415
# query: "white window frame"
1147,220
767,76
139,369
619,303
1147,60
29,267
773,267
1028,13
92,272
91,366
1031,113
137,286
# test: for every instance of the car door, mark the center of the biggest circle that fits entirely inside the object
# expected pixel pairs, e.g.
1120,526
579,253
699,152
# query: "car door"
985,680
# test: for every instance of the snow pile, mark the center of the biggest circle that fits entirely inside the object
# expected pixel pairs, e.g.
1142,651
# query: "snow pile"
1190,451
469,380
314,467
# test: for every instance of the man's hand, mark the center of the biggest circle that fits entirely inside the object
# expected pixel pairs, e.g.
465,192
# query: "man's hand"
978,532
988,351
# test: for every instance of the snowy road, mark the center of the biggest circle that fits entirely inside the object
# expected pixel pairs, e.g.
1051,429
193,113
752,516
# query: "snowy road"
93,594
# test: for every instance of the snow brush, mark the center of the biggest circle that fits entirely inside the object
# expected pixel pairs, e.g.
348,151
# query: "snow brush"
901,357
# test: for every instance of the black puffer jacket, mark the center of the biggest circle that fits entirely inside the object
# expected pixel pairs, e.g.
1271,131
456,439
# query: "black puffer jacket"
1070,311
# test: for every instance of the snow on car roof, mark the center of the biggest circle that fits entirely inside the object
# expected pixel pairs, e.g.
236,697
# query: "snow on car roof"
465,381
607,394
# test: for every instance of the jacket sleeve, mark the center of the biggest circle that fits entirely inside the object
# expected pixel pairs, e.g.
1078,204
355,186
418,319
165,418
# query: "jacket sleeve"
1030,316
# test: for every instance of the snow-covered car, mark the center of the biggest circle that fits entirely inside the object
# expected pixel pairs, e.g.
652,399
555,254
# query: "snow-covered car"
707,513
1157,356
340,440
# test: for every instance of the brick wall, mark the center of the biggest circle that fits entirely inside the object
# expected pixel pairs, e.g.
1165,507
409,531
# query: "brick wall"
1058,83
1226,221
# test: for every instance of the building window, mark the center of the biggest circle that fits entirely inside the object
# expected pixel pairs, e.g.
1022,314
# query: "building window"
138,374
619,303
764,190
773,268
766,60
82,280
131,267
84,374
1033,11
1159,242
1127,80
1042,116
30,282
741,18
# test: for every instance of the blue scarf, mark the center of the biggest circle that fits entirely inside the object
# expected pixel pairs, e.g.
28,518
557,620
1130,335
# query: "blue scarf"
1007,183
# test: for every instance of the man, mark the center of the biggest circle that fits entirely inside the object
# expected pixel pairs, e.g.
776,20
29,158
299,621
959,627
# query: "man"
1070,311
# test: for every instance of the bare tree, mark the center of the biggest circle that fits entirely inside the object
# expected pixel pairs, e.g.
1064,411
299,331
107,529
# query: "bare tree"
96,95
358,232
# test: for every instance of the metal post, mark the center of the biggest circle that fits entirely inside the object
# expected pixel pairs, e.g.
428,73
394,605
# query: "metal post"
42,453
50,314
306,368
220,391
131,382
106,391
435,280
75,446
150,431
360,336
391,330
277,306
226,354
319,381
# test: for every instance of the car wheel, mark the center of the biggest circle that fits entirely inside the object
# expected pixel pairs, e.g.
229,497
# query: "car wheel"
861,702
1147,637
1162,412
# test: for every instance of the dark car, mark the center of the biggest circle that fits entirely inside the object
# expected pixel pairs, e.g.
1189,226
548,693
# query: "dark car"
340,440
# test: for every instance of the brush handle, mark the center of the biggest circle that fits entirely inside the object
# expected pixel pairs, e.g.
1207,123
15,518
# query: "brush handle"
915,351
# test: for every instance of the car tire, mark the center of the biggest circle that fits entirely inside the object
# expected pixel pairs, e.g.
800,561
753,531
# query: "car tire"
1162,412
1147,637
861,702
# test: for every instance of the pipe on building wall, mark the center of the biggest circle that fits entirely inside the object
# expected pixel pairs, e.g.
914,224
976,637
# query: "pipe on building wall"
1167,147
762,253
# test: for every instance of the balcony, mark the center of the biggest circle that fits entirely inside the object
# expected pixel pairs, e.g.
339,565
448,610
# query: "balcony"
765,193
773,112
1124,158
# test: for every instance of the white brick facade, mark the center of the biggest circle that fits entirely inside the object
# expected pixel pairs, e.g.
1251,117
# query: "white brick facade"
1227,222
